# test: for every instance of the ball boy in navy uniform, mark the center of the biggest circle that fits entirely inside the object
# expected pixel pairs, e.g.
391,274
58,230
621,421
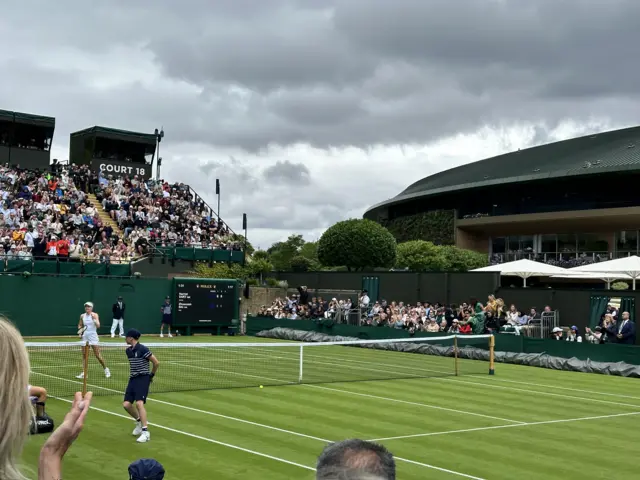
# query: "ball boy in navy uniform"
140,379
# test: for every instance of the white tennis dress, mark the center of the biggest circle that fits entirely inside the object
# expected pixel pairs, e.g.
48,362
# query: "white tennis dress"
91,333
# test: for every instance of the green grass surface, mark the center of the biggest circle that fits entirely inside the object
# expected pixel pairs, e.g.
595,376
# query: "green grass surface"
524,422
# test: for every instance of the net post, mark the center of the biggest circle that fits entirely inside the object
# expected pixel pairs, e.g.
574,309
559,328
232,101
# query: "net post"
301,364
85,367
456,356
492,348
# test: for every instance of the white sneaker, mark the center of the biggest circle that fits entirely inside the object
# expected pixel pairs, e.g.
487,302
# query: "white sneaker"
107,372
122,335
145,437
113,335
81,375
138,430
170,336
161,335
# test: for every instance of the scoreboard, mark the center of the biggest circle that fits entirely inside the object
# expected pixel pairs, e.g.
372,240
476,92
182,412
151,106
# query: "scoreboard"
205,301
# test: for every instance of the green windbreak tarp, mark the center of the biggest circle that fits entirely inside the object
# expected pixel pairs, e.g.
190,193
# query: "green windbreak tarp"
597,309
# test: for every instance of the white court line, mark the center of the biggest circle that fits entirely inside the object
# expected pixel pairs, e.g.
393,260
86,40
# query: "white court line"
397,400
405,367
425,405
497,427
227,417
199,437
425,465
524,390
593,392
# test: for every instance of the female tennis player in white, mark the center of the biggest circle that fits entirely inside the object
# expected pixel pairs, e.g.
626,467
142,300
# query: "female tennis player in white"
88,329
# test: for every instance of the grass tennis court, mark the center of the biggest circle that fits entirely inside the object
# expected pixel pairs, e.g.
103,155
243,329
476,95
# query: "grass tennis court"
523,423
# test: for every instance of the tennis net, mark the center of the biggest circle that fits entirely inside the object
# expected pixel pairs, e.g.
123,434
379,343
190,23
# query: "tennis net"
208,366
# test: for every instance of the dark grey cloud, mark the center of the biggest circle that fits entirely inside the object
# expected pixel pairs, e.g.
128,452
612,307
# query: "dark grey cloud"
232,79
288,173
351,72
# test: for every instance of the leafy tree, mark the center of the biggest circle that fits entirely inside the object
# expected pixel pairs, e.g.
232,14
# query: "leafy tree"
281,253
462,260
220,270
357,244
301,264
310,251
260,255
259,267
419,255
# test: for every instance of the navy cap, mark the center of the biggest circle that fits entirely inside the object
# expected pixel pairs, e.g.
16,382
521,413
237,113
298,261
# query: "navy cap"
146,469
133,333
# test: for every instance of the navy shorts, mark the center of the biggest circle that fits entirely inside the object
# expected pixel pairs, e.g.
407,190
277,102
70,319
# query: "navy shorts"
167,319
137,389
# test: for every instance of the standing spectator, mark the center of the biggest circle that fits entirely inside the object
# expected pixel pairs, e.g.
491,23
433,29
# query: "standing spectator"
623,332
167,316
363,303
118,309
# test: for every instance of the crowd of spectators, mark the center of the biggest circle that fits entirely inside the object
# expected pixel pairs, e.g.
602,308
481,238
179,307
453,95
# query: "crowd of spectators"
47,215
471,317
162,214
303,306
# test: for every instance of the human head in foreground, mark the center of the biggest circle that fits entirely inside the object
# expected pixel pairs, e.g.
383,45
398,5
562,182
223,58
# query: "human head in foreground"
146,469
355,459
16,411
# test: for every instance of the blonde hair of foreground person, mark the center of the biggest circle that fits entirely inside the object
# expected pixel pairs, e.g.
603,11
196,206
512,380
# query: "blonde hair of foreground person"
16,412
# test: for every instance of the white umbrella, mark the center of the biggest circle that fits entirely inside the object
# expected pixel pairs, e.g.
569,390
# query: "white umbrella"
629,266
606,277
523,269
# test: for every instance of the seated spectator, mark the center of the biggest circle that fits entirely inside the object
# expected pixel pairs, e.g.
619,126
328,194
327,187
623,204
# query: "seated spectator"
162,214
45,216
574,335
556,333
595,336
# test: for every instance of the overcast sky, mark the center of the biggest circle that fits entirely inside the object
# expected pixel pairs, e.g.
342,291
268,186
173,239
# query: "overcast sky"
309,111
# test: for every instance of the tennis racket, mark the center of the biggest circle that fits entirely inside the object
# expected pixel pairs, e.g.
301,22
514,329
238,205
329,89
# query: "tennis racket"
81,331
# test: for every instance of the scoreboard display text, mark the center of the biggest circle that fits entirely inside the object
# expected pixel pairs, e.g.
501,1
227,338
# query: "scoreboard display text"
205,301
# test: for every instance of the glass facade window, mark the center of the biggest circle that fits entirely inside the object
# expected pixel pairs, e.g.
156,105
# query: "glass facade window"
498,245
592,243
548,244
526,243
567,243
514,244
627,241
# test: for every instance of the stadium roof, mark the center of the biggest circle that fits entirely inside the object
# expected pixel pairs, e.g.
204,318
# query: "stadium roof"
115,134
27,118
614,151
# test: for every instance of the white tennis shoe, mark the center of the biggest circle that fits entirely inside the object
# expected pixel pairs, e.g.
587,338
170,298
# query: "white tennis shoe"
107,373
138,430
145,437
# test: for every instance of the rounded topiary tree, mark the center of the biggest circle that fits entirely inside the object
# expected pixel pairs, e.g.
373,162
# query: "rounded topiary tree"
357,244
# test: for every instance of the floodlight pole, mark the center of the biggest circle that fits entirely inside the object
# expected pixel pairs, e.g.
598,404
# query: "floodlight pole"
159,136
244,226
